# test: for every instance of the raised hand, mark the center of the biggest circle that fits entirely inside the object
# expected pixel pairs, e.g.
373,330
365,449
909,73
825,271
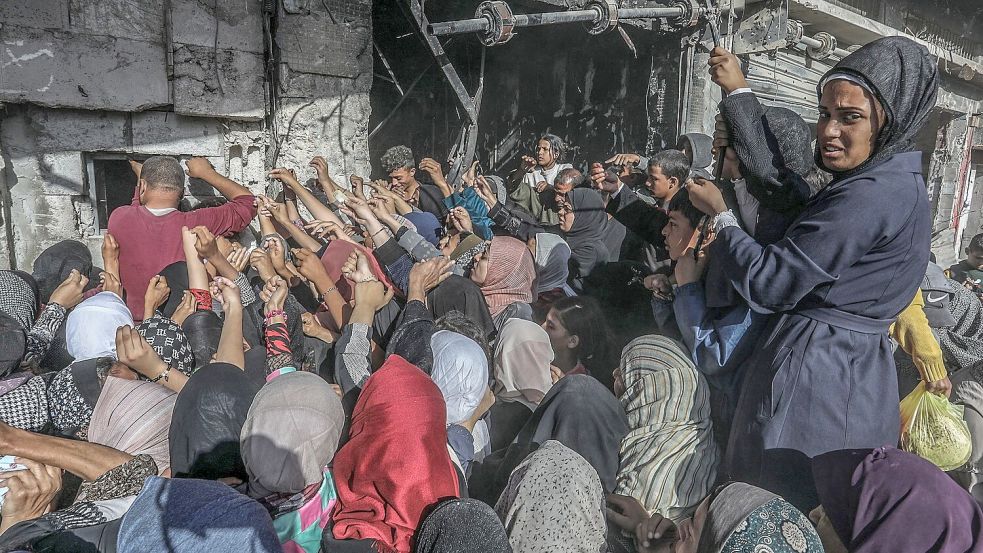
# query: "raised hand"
426,275
321,229
286,176
110,253
205,243
260,260
485,192
199,168
706,196
527,164
461,220
274,294
357,268
184,309
624,159
320,166
358,185
157,293
133,351
110,283
69,292
432,167
372,295
310,267
227,293
600,177
725,70
239,258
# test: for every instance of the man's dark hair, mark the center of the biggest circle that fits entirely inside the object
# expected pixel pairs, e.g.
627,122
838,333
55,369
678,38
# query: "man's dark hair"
397,157
976,244
680,202
572,176
163,173
673,163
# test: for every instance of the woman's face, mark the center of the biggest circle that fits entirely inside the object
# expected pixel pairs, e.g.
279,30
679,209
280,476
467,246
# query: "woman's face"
448,243
480,271
849,121
566,215
560,337
544,154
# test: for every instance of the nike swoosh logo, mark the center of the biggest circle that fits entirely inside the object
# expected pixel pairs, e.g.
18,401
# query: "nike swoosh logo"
932,299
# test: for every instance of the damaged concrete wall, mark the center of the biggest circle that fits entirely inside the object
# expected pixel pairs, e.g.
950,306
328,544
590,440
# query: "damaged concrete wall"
85,78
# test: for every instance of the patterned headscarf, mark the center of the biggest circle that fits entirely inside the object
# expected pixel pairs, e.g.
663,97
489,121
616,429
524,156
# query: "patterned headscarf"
170,342
744,518
511,274
467,249
669,458
462,525
962,343
18,297
554,502
134,416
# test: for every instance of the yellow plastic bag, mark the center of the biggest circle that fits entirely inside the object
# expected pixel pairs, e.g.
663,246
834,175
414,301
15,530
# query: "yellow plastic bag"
934,429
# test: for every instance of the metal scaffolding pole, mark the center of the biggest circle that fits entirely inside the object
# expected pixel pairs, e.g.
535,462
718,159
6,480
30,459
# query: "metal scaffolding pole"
484,24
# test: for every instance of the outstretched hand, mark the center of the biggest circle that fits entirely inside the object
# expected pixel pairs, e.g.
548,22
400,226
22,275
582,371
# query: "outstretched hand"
357,268
274,294
227,293
135,352
426,275
725,70
69,292
706,196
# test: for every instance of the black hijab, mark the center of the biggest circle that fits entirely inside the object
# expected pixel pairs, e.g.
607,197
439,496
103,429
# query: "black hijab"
177,280
578,412
462,525
208,417
904,79
460,294
204,331
586,236
55,263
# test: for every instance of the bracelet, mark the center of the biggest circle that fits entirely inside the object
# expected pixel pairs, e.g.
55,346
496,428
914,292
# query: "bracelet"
383,229
276,313
161,375
328,291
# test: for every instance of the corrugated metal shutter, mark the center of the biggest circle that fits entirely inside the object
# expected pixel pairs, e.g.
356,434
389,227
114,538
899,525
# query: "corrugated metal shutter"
787,79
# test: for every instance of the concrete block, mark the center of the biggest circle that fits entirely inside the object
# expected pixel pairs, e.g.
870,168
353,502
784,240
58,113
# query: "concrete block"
135,20
60,130
165,133
62,173
39,14
236,92
240,24
62,69
311,46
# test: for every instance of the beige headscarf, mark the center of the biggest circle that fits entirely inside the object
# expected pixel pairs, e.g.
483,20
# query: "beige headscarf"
668,458
134,416
522,363
291,433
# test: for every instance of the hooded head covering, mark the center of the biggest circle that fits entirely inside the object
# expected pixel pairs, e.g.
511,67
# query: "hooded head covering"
91,327
19,297
207,422
74,391
700,147
395,464
468,247
53,266
177,280
462,525
203,329
460,370
522,363
937,291
511,274
554,502
426,225
195,516
669,458
580,413
336,255
552,259
290,434
743,518
904,79
891,500
586,236
170,343
134,416
462,295
962,342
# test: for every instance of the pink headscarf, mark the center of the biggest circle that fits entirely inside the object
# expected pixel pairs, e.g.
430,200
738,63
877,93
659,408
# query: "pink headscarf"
511,274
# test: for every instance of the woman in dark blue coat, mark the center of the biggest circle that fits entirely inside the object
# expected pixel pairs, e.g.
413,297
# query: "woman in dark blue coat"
822,377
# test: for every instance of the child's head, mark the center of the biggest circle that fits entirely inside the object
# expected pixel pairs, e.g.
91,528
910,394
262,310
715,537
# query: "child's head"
683,220
974,252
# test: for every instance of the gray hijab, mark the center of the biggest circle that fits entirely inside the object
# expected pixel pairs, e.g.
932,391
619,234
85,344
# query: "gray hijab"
291,432
554,503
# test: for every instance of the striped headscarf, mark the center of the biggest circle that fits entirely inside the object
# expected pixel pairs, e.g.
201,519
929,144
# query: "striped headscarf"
668,459
134,416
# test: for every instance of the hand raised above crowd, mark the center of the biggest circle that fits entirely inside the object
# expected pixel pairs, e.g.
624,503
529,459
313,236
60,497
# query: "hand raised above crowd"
357,268
184,309
372,295
69,292
725,70
706,196
432,167
227,294
485,192
157,293
624,159
274,294
111,283
199,168
311,269
426,275
601,179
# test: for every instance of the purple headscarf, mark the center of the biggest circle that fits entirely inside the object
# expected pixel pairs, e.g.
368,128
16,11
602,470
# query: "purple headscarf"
890,500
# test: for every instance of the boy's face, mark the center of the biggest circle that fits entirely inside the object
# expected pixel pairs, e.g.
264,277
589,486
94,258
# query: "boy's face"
974,258
678,233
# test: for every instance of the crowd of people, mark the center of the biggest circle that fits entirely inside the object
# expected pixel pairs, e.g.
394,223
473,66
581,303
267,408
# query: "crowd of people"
626,357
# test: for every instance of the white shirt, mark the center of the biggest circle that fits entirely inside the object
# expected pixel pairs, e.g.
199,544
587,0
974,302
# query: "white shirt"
549,175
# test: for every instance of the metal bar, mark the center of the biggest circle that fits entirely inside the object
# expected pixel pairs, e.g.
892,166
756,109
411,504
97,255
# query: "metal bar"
482,24
813,43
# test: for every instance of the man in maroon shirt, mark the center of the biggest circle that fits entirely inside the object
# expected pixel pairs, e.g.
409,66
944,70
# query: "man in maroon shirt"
149,229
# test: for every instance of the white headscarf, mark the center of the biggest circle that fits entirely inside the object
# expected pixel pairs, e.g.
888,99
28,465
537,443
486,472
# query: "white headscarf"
522,363
460,370
90,331
552,258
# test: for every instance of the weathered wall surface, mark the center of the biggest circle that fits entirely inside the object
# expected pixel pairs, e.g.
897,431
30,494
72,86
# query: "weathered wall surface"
182,78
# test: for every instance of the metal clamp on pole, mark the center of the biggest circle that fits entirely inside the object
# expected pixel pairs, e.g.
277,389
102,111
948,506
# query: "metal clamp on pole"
607,16
825,47
500,22
794,32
